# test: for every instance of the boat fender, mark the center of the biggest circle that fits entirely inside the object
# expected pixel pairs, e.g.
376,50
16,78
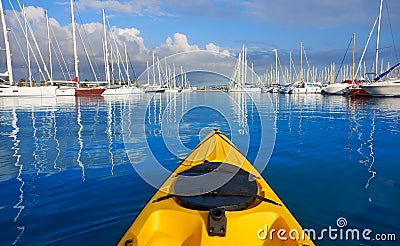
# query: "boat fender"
216,225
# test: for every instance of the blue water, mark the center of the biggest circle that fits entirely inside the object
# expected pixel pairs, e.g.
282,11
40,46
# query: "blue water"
76,171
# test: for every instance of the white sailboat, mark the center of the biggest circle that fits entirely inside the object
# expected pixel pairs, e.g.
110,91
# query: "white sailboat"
64,88
336,88
154,88
302,86
121,89
171,79
88,88
10,89
238,81
390,87
340,88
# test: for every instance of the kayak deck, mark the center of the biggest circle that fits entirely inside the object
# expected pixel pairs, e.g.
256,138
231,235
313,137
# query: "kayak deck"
188,210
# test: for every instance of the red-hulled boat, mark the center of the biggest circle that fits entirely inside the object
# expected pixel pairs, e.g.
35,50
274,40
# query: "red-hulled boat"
355,89
88,90
358,92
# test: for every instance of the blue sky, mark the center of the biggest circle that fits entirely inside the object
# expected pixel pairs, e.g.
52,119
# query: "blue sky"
324,26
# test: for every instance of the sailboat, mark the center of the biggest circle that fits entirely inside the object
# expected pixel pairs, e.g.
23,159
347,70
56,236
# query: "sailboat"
89,89
238,81
390,87
343,87
121,89
302,86
10,89
171,79
64,88
154,88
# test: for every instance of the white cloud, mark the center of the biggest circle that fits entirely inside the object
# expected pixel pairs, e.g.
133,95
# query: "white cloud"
212,47
35,14
179,43
215,48
61,36
92,35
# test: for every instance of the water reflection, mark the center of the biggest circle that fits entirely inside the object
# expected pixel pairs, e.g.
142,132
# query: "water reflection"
371,151
364,116
52,135
55,138
80,142
19,205
240,109
51,147
109,132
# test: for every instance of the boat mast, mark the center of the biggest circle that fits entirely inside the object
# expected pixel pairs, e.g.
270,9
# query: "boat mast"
242,81
301,61
154,72
352,57
9,71
27,46
159,72
76,60
290,67
378,38
174,77
49,43
127,65
183,79
245,67
276,67
148,72
106,54
252,73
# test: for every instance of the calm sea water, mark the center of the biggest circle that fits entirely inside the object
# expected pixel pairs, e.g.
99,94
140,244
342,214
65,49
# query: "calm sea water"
76,171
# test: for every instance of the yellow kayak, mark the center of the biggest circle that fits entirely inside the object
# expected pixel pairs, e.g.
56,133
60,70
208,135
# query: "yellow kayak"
215,197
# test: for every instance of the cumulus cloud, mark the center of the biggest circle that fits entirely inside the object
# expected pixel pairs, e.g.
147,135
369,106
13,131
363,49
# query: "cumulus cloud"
179,52
35,14
90,43
215,48
179,43
89,37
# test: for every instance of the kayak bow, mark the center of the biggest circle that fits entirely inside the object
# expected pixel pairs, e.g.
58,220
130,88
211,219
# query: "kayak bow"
215,197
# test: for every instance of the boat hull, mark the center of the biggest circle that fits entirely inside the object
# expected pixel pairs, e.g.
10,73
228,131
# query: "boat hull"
21,91
359,92
172,90
311,90
161,90
383,88
65,91
122,91
335,89
90,91
249,90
